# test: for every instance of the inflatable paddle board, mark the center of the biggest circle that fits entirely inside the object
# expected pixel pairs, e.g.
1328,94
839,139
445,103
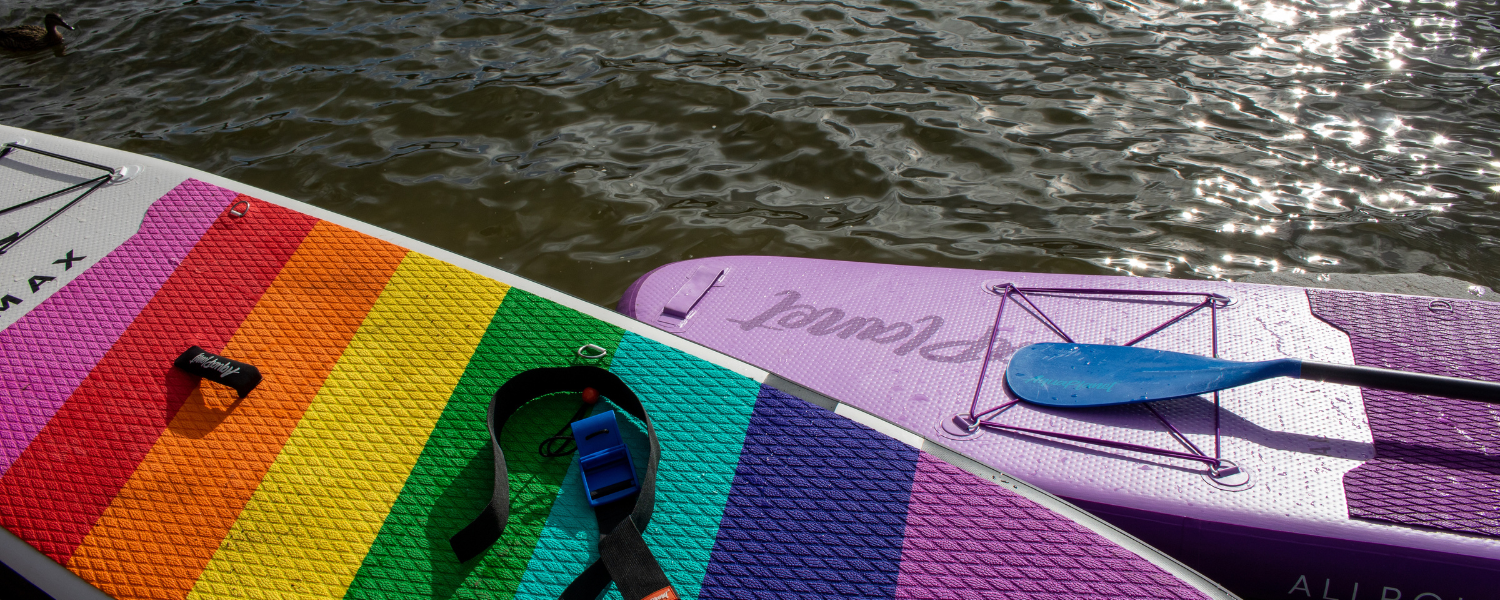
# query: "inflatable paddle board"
1280,489
350,468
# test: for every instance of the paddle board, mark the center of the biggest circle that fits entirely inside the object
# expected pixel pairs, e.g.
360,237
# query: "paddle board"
1280,489
364,447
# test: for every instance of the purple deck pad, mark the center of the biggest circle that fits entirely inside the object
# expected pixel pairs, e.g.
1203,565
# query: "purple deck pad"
45,354
791,512
1437,460
823,507
990,542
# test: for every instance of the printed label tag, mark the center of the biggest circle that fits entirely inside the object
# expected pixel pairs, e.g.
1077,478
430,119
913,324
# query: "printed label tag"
666,593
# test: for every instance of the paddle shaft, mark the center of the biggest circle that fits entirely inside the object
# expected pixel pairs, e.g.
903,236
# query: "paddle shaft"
1401,381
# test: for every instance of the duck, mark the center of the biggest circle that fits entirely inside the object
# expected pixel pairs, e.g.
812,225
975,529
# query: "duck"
31,37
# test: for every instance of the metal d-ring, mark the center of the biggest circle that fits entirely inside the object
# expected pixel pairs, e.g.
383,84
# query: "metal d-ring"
239,209
591,352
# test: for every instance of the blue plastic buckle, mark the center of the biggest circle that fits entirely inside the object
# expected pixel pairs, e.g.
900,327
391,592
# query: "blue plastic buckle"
608,472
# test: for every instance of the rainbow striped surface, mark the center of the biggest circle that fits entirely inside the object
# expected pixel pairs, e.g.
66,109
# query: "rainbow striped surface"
365,448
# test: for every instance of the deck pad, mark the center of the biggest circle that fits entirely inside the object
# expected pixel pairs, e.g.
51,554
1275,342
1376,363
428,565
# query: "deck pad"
364,449
53,342
1436,463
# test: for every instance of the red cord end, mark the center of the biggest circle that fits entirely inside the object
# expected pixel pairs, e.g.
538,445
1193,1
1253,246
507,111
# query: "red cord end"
590,396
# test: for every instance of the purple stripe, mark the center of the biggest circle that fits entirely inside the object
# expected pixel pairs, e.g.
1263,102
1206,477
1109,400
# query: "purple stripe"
48,352
816,509
967,538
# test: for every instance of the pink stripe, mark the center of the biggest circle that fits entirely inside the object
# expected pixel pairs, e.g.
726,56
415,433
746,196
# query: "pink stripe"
45,354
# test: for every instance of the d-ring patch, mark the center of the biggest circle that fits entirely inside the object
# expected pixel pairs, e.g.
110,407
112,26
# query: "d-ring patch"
239,209
590,351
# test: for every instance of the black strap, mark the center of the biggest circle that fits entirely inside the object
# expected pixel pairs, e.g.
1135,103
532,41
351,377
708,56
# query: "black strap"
624,556
630,563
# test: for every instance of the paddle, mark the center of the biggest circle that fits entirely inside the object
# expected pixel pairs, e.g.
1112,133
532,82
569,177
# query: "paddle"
1074,375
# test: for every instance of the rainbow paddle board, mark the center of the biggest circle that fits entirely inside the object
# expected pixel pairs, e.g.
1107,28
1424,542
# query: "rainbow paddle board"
349,469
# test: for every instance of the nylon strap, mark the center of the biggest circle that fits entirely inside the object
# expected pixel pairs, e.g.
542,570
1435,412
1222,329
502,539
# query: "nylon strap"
624,556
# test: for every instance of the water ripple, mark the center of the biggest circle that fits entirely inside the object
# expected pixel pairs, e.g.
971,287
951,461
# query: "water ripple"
584,143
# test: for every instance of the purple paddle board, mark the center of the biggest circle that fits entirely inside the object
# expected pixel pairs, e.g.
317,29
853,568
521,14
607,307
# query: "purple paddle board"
1283,488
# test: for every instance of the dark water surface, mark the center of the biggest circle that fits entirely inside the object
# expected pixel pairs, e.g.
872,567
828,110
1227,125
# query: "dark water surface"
583,143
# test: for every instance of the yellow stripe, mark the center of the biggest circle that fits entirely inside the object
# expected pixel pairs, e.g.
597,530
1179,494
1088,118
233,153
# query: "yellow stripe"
312,519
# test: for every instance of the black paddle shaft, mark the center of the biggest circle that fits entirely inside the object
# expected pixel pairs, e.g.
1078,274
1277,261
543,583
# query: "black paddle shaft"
1401,381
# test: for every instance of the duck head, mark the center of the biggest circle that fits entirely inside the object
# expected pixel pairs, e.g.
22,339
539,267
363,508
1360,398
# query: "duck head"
54,20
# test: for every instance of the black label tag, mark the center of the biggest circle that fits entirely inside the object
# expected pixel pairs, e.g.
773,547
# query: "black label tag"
242,377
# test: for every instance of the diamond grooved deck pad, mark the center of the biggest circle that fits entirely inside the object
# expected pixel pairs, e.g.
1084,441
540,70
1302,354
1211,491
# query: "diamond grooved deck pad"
1436,459
364,449
45,354
818,509
700,411
77,463
451,481
964,541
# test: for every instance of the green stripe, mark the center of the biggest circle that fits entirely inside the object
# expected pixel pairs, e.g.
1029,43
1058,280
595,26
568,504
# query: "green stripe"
453,477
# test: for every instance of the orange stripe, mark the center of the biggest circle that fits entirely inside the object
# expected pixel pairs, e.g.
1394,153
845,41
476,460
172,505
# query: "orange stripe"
163,527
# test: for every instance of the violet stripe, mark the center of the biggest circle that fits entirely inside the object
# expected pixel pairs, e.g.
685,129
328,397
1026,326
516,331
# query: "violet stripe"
967,538
48,352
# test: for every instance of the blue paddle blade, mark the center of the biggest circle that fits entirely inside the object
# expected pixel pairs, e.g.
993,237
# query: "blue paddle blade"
1075,375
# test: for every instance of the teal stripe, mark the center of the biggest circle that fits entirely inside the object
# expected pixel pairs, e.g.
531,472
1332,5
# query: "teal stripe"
566,545
701,411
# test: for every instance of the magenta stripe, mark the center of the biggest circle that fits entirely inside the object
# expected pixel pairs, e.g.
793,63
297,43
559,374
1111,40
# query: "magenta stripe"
48,352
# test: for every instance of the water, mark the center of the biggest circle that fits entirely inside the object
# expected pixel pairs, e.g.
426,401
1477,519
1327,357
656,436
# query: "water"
581,144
